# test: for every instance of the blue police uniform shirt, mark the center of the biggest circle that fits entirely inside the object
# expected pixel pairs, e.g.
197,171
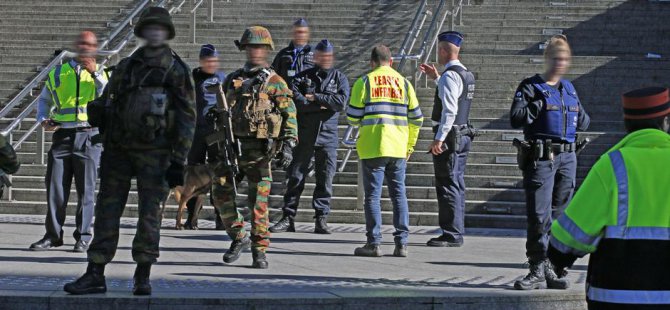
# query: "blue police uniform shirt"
318,120
548,112
292,60
204,99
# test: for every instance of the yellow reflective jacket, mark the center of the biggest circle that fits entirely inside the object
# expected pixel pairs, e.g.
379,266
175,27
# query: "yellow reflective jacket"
621,215
384,105
71,92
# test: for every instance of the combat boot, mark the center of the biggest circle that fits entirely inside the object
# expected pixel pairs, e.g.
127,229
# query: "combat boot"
92,282
260,261
369,250
554,280
284,225
236,248
141,283
535,279
321,225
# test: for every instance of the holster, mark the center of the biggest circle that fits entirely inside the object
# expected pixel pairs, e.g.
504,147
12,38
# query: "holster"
525,155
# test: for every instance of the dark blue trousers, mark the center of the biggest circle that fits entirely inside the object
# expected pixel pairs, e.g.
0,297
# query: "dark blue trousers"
74,153
549,186
450,188
325,164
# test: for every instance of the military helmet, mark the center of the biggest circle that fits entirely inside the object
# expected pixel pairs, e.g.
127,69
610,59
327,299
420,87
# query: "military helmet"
255,35
155,16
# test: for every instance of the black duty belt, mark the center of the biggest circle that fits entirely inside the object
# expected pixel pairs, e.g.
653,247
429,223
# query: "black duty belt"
563,148
78,129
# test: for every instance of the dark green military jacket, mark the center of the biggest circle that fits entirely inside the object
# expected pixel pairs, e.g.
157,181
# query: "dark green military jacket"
153,104
9,164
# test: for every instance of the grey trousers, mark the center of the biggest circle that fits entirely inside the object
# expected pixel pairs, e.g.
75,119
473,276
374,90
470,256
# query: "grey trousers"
74,153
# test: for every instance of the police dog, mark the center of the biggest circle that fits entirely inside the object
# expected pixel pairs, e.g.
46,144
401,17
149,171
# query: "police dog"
197,183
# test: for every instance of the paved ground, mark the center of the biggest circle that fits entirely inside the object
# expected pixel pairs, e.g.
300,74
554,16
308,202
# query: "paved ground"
306,271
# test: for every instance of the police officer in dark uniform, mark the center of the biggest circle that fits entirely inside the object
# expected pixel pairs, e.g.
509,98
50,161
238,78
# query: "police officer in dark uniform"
320,94
206,75
147,116
297,56
453,135
549,111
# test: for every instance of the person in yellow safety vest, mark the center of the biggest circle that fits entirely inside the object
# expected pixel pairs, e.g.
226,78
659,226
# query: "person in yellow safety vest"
621,213
384,105
76,146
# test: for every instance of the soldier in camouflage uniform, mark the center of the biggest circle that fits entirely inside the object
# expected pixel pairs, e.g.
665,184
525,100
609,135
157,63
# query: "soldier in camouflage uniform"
264,123
9,164
147,117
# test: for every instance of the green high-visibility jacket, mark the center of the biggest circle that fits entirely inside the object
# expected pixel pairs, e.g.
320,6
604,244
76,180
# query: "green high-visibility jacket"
621,215
71,92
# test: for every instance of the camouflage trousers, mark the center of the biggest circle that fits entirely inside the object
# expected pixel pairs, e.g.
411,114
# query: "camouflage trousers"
116,171
255,165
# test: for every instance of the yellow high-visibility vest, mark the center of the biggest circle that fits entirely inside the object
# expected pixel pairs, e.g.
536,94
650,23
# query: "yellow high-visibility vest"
71,92
384,105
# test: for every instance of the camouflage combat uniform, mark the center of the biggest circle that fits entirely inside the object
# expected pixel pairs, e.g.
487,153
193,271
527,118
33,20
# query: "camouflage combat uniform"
149,125
255,160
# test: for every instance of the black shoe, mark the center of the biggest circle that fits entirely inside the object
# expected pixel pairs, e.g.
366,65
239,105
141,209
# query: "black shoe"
535,279
443,241
80,247
191,226
92,282
369,250
321,225
236,248
555,278
45,244
141,282
284,225
400,251
260,261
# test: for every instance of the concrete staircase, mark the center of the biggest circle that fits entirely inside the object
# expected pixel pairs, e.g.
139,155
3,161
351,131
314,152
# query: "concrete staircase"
609,38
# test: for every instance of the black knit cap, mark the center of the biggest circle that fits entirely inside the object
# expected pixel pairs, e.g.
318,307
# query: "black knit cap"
155,16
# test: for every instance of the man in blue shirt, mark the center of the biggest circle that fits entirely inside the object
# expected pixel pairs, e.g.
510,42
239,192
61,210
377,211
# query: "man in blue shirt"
76,146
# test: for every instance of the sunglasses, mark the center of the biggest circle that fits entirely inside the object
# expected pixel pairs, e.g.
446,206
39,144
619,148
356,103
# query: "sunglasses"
89,44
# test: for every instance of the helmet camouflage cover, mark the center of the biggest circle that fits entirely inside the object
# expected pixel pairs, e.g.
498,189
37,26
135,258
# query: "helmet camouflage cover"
255,35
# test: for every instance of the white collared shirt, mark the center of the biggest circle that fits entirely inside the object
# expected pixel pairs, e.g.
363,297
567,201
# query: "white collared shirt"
449,88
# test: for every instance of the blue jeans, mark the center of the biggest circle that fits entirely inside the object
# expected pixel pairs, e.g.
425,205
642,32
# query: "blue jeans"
374,171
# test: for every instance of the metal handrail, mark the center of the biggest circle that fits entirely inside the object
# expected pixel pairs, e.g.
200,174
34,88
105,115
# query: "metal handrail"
412,30
128,21
28,89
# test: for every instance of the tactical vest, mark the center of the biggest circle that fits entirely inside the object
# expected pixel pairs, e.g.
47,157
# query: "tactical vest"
253,113
71,92
464,101
143,111
559,115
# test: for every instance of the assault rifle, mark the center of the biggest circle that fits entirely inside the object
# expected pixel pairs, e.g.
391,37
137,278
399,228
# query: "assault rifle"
228,147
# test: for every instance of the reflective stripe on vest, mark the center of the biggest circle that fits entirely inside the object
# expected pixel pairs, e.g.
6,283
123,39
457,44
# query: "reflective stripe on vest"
559,115
384,105
70,99
622,233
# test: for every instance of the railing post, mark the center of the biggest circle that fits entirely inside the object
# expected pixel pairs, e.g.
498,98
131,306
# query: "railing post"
39,148
453,18
360,190
193,21
211,11
9,189
460,14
